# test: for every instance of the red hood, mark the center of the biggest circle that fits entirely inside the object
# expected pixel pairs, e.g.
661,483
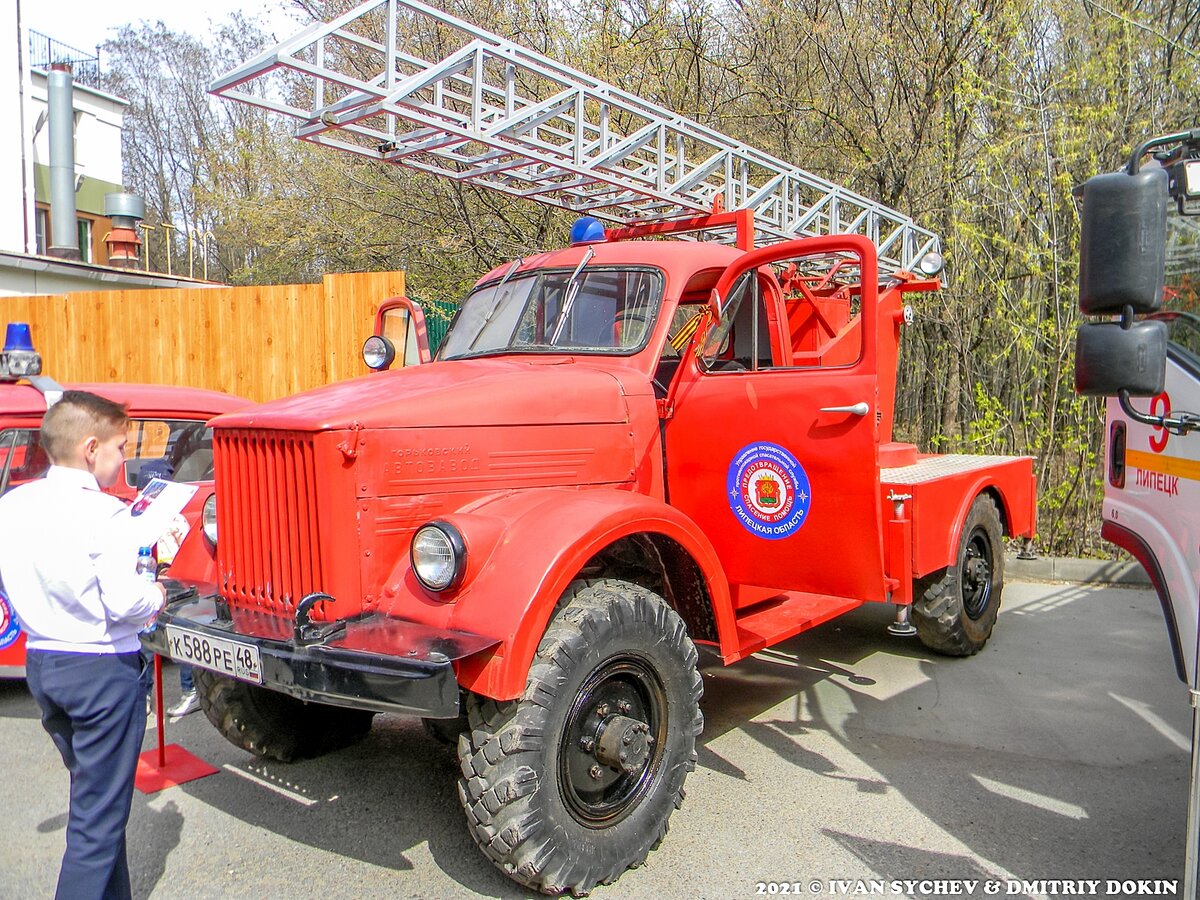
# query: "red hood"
455,393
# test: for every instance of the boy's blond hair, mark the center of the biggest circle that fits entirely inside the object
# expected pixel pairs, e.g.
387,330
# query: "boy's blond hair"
77,416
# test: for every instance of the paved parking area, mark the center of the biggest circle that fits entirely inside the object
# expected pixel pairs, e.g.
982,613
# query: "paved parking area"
1058,753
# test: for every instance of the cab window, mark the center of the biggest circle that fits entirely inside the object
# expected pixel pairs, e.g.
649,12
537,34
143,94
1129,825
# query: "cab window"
174,449
794,313
1181,292
586,310
22,458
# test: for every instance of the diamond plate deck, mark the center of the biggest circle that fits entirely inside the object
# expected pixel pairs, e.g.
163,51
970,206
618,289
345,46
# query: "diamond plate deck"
936,467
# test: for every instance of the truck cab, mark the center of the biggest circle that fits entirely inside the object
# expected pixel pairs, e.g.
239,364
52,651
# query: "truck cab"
624,447
1140,268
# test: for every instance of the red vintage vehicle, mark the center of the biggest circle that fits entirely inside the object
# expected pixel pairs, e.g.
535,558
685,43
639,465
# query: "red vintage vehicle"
532,532
168,435
624,448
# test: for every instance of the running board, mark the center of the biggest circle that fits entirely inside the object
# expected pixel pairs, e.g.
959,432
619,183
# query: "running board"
781,617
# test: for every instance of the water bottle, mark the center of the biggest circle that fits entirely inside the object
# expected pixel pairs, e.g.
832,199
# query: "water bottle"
147,565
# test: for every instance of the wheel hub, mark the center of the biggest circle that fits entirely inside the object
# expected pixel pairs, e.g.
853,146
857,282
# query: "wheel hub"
976,575
610,747
623,743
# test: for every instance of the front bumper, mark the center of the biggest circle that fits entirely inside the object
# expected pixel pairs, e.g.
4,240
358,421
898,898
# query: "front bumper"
377,662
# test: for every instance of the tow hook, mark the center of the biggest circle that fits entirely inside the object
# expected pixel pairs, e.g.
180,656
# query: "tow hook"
306,631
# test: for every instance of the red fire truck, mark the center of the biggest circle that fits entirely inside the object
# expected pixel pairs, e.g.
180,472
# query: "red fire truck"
168,436
625,447
535,529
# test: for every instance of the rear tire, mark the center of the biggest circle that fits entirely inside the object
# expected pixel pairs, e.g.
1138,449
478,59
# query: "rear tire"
573,783
955,609
274,725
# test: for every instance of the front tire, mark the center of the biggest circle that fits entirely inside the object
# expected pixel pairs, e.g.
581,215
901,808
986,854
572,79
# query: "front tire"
573,783
955,609
274,725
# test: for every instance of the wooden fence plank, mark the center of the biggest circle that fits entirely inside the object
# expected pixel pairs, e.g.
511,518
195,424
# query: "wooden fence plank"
349,307
260,342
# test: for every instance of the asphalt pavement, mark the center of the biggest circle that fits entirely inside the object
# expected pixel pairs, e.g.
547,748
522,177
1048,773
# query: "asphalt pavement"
844,762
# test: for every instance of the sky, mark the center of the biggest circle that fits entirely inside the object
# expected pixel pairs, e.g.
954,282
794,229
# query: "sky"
85,23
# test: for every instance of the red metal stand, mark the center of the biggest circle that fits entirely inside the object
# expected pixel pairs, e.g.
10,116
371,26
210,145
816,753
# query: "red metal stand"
168,764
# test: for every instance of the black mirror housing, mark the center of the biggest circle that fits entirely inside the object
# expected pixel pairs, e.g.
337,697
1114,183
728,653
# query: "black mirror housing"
1122,242
1110,359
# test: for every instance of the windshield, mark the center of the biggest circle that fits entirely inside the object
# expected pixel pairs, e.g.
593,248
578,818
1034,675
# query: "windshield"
589,310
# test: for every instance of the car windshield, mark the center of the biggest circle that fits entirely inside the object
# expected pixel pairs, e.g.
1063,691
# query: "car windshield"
588,310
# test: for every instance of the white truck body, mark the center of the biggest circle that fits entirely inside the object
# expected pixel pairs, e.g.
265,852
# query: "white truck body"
1154,511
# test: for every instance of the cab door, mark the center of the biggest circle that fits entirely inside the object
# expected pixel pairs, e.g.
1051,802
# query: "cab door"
772,451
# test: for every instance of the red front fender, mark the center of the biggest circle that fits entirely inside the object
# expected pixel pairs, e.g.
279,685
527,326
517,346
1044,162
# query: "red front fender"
520,569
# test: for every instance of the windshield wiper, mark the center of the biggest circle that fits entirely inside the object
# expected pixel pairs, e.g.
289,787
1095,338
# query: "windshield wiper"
495,305
570,294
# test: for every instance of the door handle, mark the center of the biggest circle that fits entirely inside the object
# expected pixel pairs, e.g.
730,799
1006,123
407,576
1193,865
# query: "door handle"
858,409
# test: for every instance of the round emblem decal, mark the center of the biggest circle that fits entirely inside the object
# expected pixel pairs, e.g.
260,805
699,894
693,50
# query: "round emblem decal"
9,627
768,490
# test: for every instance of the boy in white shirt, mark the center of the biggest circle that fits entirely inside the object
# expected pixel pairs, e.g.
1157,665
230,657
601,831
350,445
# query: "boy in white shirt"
73,585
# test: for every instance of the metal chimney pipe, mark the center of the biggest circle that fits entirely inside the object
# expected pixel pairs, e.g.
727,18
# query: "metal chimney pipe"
126,211
64,232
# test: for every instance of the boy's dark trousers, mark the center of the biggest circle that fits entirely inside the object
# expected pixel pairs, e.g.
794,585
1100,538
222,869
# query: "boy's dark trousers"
95,711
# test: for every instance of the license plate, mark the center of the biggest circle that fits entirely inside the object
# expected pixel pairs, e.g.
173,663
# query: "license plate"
227,657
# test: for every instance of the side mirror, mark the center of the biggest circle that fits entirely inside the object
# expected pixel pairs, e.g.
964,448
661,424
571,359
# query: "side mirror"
1122,242
1111,359
400,325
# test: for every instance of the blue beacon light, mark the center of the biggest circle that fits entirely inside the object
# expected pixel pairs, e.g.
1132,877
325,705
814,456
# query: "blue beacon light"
18,359
587,230
17,337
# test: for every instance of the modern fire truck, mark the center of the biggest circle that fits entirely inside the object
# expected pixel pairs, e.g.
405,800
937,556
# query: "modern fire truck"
625,447
167,437
1140,268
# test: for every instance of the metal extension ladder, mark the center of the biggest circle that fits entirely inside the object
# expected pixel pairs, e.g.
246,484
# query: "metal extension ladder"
498,115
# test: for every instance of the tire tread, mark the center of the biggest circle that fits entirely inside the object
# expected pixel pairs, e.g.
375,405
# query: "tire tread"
499,753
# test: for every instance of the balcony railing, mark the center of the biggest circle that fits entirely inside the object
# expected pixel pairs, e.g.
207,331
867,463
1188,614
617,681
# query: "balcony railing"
44,51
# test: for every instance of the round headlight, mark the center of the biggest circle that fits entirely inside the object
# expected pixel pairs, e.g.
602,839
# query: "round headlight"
439,556
208,519
378,352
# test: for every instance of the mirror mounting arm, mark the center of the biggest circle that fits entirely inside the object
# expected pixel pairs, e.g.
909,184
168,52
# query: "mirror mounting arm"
1176,423
1142,149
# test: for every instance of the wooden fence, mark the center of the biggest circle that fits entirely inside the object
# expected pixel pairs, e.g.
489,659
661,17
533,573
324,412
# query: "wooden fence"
259,342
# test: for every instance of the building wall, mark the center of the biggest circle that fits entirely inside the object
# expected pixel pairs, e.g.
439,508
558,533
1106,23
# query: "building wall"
16,163
98,118
25,148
